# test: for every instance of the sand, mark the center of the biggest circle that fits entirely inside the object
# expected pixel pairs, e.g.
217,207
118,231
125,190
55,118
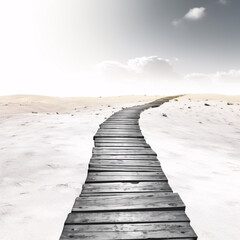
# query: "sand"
46,144
199,149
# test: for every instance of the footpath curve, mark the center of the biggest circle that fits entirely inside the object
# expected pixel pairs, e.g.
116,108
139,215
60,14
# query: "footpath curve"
126,194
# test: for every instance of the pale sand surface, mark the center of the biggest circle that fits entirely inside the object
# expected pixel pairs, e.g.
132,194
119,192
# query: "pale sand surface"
44,158
199,149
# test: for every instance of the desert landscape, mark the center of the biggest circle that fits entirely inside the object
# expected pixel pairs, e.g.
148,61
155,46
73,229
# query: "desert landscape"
80,159
46,144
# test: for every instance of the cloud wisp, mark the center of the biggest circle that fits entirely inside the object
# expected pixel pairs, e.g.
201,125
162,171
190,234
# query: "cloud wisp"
193,14
230,77
138,68
154,75
223,2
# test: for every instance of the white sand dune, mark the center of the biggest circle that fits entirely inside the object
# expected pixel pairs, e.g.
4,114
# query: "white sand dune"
199,149
46,143
45,146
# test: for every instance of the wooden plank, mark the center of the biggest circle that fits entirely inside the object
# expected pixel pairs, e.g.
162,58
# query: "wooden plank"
118,135
116,194
119,217
127,203
126,187
103,151
126,123
117,120
122,147
122,140
125,168
111,126
123,117
132,195
124,194
135,115
125,162
176,230
118,130
113,144
125,178
153,174
126,157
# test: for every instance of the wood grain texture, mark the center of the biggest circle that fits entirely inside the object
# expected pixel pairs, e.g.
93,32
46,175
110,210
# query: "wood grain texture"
107,168
120,140
126,203
115,126
122,145
98,151
122,130
126,217
177,230
135,163
126,157
118,135
94,177
126,187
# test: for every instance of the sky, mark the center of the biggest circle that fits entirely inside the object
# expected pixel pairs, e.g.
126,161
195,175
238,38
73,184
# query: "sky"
115,47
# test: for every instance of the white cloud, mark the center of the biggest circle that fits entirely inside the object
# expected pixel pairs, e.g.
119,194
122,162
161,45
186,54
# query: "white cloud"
224,2
176,22
219,82
154,75
231,77
138,68
195,13
192,14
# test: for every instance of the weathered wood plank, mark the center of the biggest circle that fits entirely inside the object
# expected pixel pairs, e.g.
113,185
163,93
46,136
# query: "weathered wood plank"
125,194
156,216
126,187
118,130
118,135
125,178
121,121
126,203
181,230
125,162
117,120
121,147
108,145
132,195
123,117
97,151
120,140
116,123
111,126
123,168
126,157
116,194
153,174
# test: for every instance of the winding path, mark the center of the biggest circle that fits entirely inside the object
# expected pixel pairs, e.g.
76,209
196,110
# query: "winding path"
126,194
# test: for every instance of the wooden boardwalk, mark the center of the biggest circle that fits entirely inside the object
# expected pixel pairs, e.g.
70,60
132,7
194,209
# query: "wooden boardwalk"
126,194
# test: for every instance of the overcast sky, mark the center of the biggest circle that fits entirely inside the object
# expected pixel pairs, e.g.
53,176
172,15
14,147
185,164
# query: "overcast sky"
65,48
